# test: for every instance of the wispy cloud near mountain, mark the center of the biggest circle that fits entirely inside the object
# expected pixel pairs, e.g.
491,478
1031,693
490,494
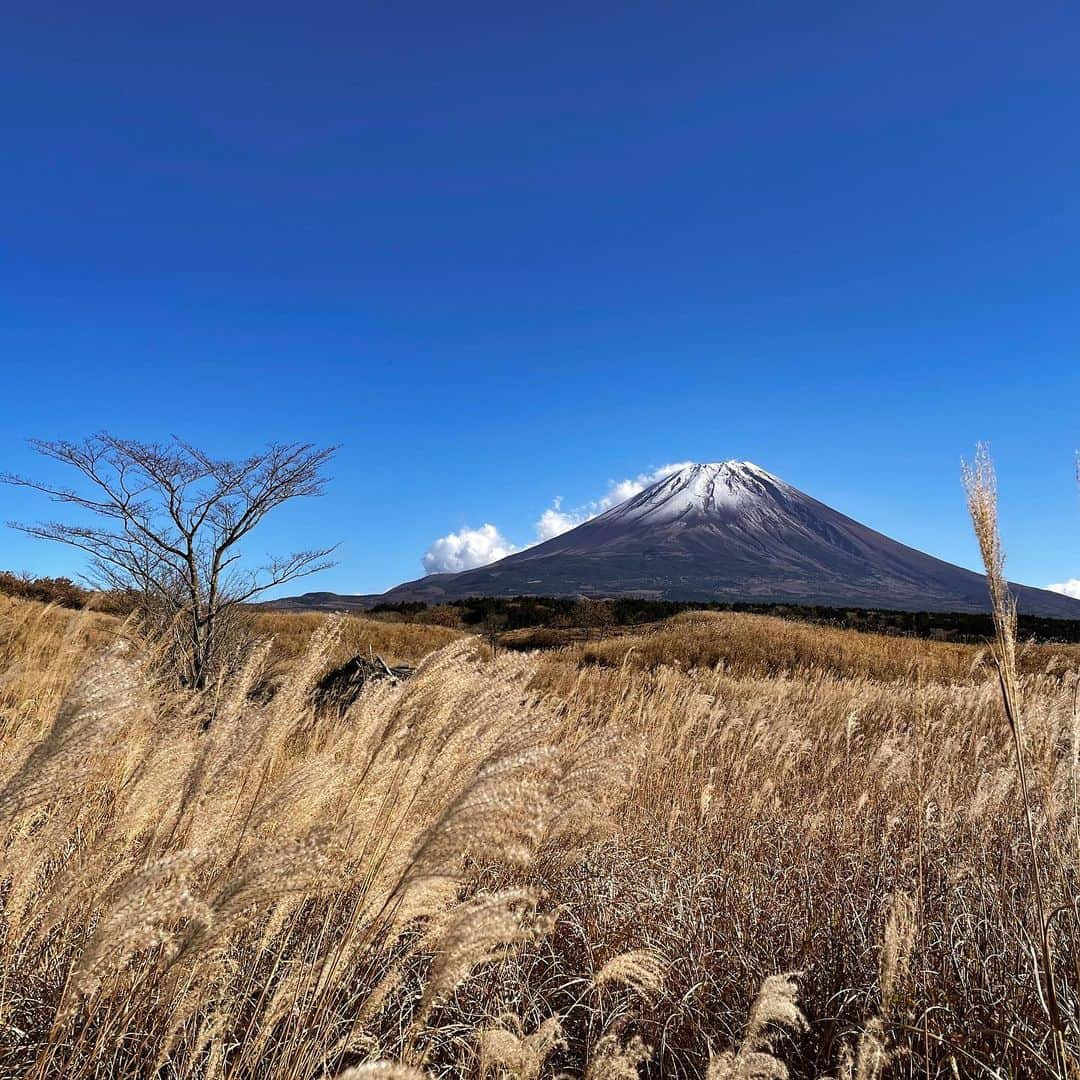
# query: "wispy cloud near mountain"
555,520
1067,588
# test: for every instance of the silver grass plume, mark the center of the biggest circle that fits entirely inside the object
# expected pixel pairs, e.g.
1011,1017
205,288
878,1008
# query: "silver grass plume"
776,1005
505,1047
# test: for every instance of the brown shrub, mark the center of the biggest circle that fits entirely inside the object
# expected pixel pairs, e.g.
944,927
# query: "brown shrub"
64,592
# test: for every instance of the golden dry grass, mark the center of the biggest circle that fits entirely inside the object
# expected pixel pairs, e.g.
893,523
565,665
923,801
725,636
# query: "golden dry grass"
766,645
731,848
395,642
41,650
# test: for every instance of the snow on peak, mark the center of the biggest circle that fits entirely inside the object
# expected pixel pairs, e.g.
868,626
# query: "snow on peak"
707,488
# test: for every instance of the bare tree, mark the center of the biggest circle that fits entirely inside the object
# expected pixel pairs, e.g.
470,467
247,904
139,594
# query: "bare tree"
597,614
170,522
494,623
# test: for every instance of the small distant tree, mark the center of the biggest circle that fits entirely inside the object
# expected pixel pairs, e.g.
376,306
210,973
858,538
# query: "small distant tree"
441,615
594,614
170,522
494,623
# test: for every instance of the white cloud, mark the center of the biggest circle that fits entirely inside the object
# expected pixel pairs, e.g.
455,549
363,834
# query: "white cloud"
1069,588
466,549
554,521
470,548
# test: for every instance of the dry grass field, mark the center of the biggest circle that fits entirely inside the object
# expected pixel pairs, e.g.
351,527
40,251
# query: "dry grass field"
727,847
395,642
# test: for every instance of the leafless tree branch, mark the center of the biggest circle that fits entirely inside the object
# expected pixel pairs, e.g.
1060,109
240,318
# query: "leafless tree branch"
171,522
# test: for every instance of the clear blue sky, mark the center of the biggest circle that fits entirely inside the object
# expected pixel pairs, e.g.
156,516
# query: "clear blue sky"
504,252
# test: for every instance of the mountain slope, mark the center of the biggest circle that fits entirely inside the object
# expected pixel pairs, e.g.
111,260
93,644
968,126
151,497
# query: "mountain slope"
730,531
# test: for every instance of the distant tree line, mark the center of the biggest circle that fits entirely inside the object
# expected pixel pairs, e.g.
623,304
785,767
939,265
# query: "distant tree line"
63,592
524,612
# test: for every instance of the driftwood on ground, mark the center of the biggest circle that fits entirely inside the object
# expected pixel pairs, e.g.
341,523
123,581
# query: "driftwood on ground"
339,688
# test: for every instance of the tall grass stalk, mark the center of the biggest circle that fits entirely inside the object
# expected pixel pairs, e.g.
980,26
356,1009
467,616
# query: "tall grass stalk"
980,483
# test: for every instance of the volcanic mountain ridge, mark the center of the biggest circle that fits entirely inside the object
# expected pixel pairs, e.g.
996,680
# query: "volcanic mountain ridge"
725,531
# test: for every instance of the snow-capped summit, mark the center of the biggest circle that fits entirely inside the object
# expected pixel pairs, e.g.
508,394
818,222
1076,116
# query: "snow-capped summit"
730,531
710,488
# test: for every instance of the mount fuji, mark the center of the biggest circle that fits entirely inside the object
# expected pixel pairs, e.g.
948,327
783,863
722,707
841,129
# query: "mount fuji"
729,531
